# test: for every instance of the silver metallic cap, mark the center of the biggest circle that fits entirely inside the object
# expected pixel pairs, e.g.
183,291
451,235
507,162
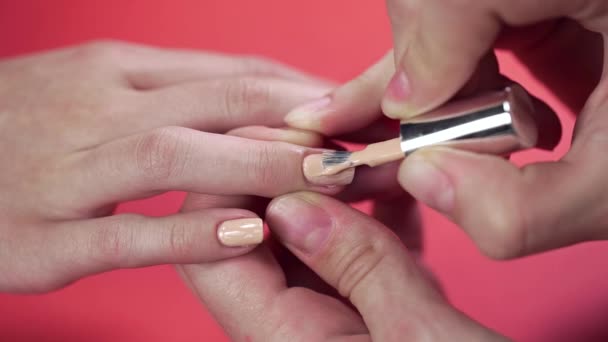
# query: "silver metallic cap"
497,122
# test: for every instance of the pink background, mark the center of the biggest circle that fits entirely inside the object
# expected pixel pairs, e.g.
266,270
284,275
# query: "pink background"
558,296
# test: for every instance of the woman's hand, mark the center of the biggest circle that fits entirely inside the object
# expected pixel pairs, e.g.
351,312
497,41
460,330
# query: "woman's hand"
344,277
443,49
86,127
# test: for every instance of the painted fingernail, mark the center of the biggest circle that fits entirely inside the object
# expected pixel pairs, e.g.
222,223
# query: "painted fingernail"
241,232
308,116
427,182
312,168
300,222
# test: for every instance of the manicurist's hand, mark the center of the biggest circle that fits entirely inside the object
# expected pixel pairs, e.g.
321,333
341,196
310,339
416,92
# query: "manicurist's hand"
344,277
443,49
83,128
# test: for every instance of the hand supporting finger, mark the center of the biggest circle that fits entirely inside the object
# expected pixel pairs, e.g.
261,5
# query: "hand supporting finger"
369,265
177,158
348,108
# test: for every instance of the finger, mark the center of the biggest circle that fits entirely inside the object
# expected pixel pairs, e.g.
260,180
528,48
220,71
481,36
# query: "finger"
149,67
255,204
249,298
366,263
348,108
83,247
288,135
401,215
379,183
511,212
220,105
176,158
381,129
296,273
439,40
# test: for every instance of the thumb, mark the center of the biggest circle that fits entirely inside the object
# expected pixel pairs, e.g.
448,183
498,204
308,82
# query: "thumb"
511,212
438,43
367,263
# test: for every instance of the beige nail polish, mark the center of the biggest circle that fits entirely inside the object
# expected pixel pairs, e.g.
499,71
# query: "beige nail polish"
315,173
241,232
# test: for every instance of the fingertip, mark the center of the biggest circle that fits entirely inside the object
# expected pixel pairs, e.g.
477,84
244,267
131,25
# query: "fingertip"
300,221
242,232
309,116
423,176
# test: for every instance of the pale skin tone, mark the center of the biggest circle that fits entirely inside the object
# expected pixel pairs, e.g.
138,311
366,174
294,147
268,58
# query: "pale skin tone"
83,128
539,207
356,255
86,127
270,295
535,208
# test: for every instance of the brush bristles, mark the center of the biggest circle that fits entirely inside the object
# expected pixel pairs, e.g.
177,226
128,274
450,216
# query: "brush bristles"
335,158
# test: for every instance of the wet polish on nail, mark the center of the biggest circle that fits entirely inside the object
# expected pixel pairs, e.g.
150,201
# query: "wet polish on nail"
241,232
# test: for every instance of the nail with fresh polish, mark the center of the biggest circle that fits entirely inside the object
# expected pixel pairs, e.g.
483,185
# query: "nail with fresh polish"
241,232
308,115
313,170
427,182
300,222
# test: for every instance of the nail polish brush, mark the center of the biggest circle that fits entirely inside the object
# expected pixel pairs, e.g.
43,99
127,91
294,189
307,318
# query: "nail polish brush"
494,122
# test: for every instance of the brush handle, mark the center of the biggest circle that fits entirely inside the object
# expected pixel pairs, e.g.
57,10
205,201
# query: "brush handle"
497,122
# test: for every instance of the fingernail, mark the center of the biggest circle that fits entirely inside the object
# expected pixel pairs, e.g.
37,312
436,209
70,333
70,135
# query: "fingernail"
300,222
312,167
399,88
395,103
308,116
426,182
241,232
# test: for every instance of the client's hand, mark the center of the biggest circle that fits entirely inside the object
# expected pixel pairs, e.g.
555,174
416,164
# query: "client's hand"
256,297
86,127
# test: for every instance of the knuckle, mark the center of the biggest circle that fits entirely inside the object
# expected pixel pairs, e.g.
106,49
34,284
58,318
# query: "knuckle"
112,243
182,241
246,96
162,154
508,230
356,265
268,167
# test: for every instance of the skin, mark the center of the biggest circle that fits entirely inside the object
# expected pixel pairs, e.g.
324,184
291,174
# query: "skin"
338,260
538,207
85,127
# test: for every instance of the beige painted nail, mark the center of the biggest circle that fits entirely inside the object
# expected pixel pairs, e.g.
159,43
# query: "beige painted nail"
241,232
315,173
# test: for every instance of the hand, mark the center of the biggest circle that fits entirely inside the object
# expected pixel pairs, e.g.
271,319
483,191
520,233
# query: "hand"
83,128
371,288
508,211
